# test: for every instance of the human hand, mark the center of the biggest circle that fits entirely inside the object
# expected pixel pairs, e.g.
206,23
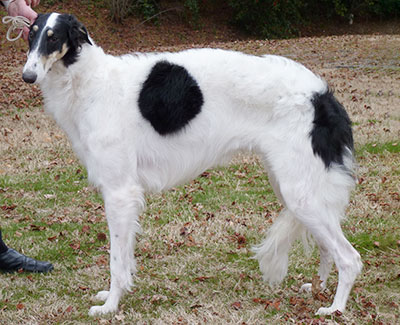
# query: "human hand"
32,3
21,8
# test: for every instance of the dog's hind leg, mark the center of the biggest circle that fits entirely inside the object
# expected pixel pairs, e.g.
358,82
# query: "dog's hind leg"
325,267
329,237
315,197
318,200
346,258
122,211
273,252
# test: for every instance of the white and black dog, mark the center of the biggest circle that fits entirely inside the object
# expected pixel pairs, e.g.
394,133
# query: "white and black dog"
147,122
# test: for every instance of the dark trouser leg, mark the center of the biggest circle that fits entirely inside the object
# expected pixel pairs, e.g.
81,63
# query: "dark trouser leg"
3,246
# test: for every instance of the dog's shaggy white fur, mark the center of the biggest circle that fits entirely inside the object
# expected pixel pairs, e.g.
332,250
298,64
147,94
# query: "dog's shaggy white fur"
266,105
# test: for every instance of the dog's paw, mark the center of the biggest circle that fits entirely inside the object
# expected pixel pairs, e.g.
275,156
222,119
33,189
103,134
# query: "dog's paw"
306,287
101,310
326,311
102,295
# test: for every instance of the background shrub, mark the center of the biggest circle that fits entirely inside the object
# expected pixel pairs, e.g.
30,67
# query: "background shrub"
265,18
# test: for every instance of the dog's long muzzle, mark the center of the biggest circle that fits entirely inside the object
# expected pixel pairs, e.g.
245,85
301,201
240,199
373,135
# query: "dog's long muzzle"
32,68
29,76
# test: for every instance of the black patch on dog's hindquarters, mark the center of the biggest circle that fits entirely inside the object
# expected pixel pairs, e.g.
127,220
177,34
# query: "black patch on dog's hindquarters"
331,132
170,98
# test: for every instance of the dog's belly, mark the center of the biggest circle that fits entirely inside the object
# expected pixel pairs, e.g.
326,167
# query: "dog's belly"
162,173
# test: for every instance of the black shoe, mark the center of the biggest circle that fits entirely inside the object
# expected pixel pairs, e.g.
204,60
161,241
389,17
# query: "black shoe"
12,261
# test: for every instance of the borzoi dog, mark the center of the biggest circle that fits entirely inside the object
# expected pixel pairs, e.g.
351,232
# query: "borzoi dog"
147,122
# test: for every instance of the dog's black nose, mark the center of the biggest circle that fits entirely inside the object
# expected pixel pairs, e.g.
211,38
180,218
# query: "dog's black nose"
29,77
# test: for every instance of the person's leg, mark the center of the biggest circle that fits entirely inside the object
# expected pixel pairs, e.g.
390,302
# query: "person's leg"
11,261
3,246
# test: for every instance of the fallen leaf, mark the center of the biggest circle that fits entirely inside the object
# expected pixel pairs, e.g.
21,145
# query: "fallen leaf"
196,306
8,207
273,304
315,286
241,239
258,300
322,297
83,288
276,304
237,305
75,246
338,313
183,231
85,229
101,261
296,301
101,236
37,228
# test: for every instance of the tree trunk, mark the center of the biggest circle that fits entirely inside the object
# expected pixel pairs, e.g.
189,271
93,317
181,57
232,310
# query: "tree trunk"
119,9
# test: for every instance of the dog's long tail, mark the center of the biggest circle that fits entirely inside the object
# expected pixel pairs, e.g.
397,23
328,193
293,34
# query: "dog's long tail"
273,252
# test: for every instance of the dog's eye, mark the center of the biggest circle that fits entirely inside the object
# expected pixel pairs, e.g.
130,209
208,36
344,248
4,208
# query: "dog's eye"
53,39
31,34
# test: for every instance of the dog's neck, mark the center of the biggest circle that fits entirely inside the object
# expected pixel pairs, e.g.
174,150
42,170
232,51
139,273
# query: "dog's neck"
64,86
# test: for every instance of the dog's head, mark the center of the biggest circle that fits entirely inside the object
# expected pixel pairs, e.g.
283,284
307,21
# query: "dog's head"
53,37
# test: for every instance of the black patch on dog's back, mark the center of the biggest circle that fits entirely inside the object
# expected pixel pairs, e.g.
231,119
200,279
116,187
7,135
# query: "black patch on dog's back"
331,132
170,98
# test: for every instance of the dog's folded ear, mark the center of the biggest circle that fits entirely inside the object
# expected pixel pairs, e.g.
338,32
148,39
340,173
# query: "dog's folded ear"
77,32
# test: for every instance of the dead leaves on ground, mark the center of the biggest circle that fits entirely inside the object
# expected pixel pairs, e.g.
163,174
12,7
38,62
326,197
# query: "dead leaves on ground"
273,304
14,92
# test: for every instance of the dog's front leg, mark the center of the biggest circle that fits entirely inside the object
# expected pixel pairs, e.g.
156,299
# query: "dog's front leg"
122,210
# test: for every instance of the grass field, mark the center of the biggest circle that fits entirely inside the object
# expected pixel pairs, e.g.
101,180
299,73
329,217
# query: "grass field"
194,259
